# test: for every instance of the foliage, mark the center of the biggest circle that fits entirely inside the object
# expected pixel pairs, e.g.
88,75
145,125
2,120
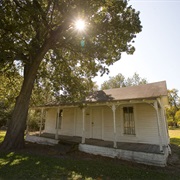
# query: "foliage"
120,81
28,26
9,88
34,120
172,112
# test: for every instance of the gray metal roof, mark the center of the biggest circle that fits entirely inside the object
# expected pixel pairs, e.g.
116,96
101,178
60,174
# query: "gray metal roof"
145,91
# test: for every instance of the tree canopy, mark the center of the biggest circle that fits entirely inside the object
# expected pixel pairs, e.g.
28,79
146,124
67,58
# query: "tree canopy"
173,111
120,81
41,35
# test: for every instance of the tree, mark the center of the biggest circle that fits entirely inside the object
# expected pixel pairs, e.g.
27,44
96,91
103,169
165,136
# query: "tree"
43,32
9,87
119,81
135,80
174,106
114,82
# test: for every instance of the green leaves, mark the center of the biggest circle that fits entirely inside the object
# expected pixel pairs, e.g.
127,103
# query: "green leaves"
43,31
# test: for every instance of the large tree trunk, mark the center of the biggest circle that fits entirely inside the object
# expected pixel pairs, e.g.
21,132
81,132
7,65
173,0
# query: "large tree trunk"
14,138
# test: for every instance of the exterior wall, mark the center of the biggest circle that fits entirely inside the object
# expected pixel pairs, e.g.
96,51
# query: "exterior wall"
99,123
78,123
146,124
68,122
50,122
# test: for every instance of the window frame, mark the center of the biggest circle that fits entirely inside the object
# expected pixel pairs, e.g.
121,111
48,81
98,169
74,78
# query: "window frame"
134,121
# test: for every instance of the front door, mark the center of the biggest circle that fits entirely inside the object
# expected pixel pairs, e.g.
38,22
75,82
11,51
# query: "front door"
96,123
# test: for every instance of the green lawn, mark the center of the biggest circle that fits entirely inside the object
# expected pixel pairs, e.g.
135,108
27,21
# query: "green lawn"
2,134
175,140
24,165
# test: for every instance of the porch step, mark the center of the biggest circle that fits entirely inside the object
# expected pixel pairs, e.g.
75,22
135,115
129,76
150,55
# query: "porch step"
67,146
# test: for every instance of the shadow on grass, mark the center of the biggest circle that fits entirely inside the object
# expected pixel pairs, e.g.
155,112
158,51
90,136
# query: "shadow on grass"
27,166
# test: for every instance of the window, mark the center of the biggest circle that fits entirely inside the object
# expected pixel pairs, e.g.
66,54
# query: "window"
129,124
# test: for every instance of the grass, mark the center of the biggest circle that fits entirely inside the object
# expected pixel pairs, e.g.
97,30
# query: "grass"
24,165
2,134
175,140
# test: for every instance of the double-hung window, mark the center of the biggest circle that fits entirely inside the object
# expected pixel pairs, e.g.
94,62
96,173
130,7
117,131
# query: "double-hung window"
129,123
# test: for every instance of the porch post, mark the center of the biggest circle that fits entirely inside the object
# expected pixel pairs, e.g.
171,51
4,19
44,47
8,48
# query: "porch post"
164,119
83,123
57,124
114,124
40,128
159,126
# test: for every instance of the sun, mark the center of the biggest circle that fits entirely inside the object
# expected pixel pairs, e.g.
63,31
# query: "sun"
80,25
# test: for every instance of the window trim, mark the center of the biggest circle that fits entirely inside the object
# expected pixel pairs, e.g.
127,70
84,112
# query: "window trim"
122,120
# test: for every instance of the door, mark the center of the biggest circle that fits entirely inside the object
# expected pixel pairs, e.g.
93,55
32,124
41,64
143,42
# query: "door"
96,123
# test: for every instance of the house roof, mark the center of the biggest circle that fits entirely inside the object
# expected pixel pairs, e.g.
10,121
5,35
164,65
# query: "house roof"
145,91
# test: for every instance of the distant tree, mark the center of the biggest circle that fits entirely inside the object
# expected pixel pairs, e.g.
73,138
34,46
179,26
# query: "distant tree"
174,106
177,116
135,80
119,81
114,82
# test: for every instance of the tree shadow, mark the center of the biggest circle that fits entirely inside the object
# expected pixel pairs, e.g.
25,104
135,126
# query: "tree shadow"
99,96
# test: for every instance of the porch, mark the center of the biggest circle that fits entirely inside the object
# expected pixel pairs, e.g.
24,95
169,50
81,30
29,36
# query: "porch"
143,153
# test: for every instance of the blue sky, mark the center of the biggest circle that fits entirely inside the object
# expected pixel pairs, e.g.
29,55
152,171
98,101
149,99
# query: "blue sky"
157,55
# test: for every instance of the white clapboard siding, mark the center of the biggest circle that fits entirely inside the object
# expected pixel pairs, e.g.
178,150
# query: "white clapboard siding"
78,125
96,129
50,123
108,123
99,123
146,124
68,122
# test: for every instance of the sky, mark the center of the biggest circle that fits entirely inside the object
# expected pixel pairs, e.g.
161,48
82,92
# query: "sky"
157,55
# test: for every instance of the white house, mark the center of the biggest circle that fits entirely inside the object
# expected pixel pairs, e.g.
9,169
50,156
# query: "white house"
127,123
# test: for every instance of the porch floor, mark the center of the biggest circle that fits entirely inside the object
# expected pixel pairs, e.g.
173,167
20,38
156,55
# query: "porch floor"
137,147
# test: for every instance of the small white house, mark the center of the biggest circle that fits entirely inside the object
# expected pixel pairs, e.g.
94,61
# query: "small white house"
127,123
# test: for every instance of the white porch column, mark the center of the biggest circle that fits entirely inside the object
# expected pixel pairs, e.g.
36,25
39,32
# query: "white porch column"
40,128
57,124
114,124
83,124
159,126
164,119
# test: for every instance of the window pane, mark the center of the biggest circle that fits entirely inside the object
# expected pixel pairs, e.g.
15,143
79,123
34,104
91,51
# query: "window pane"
129,125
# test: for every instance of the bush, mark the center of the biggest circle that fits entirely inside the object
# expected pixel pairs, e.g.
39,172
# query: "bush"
33,125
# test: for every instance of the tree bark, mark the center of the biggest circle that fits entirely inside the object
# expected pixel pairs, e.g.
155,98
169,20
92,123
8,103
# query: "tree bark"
14,138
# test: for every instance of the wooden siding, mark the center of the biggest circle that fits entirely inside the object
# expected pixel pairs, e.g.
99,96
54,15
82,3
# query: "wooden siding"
146,124
68,122
50,122
99,123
